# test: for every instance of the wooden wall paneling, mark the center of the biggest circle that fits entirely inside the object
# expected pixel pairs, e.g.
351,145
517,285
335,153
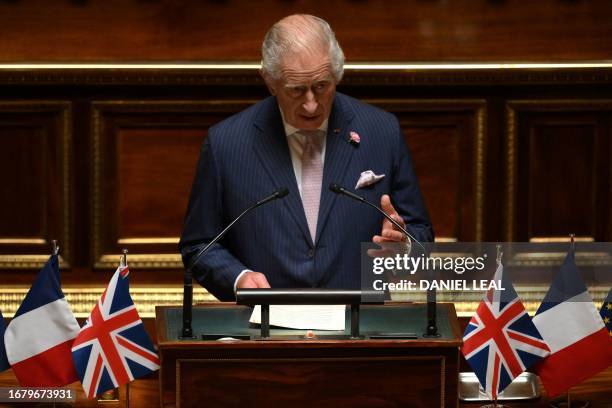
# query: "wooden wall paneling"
36,183
447,139
410,30
558,170
144,159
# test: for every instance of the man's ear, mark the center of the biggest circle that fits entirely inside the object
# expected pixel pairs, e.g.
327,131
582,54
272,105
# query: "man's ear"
269,82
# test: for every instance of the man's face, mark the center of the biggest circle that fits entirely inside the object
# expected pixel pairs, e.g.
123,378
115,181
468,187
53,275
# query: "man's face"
306,89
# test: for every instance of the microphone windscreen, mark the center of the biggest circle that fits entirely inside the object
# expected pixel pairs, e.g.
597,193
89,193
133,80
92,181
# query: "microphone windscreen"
335,188
282,192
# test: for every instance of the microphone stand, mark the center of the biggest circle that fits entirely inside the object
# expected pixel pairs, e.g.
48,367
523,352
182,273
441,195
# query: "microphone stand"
432,326
187,330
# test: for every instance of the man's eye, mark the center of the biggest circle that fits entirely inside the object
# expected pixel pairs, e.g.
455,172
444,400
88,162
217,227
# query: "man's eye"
321,86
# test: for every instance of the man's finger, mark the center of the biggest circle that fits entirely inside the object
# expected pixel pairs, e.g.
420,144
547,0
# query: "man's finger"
261,281
385,204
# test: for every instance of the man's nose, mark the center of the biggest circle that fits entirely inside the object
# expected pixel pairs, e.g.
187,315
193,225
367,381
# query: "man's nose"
310,104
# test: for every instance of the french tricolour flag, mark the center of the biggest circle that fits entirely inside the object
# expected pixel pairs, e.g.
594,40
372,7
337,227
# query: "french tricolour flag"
39,338
574,331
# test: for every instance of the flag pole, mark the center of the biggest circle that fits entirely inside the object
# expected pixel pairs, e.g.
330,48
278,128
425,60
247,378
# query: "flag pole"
568,398
55,246
124,263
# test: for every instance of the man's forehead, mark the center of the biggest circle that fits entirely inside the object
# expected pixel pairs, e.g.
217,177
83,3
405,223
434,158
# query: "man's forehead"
310,72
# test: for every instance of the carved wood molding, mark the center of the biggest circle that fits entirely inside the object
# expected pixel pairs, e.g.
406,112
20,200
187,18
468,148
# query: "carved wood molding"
355,74
153,252
36,250
512,110
477,109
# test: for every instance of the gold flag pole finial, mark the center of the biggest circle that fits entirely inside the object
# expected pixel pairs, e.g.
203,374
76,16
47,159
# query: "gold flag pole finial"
123,261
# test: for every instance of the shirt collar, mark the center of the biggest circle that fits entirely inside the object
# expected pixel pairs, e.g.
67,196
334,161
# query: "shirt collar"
289,130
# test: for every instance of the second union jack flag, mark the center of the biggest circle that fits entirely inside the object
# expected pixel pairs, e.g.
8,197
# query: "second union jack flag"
501,341
113,347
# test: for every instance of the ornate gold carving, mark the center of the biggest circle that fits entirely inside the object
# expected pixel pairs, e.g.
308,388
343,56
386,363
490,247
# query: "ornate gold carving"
140,260
34,261
22,241
544,240
479,109
466,302
355,74
27,262
83,299
159,240
480,147
512,147
153,261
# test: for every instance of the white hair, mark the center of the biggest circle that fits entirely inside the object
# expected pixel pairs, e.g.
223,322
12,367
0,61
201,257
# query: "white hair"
296,33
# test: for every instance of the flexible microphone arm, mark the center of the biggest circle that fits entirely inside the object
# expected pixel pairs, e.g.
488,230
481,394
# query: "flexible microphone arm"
432,327
341,190
187,331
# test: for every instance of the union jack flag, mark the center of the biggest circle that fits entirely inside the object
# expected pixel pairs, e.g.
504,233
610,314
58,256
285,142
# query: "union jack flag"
501,341
113,347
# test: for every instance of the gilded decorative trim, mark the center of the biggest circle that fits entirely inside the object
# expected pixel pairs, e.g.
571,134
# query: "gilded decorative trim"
381,66
467,302
355,74
31,261
23,241
152,261
479,109
83,299
28,262
137,260
96,193
158,240
511,148
512,109
543,240
480,147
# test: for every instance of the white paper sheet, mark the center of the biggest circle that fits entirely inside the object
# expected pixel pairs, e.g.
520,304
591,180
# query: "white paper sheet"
305,317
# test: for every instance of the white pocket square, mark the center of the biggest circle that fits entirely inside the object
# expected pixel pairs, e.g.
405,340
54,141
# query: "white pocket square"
368,178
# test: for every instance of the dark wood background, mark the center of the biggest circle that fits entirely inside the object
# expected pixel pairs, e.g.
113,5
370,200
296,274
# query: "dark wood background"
370,30
103,158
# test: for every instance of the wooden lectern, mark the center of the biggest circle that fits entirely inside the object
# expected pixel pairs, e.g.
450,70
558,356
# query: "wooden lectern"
318,372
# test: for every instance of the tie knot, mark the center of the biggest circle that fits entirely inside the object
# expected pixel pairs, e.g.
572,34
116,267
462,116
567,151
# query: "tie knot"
313,138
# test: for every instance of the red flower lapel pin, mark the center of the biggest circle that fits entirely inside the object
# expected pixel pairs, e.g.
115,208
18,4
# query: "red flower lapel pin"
354,138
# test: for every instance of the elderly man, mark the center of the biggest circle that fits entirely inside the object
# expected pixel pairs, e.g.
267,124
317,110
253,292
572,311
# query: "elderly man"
304,137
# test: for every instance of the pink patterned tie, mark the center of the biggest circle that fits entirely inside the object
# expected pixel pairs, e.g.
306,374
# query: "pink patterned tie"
312,177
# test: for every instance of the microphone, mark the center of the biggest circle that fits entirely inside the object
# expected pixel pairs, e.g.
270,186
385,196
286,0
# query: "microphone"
432,327
187,332
343,191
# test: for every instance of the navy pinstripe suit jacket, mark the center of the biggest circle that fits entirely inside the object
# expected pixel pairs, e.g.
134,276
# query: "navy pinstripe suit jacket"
246,157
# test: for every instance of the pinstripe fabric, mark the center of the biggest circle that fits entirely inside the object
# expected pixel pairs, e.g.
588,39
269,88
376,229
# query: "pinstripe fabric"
246,157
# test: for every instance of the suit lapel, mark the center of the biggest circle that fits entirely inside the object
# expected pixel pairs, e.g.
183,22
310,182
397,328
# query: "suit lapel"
273,151
338,153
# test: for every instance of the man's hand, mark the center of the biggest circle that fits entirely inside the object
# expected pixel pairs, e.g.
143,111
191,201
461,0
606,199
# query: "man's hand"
252,280
390,235
389,232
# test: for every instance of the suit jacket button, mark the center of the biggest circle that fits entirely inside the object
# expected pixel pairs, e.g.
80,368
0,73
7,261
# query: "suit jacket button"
311,253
